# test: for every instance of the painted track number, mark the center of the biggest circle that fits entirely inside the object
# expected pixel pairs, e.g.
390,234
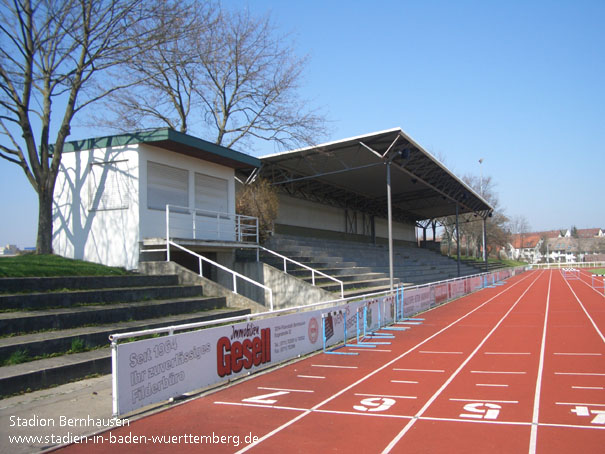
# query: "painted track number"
481,410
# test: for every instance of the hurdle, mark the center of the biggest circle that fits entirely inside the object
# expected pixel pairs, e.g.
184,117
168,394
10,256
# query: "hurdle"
364,332
598,282
327,329
485,284
399,317
571,274
497,282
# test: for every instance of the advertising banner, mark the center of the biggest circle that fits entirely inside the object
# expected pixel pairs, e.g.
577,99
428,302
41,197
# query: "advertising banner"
417,300
153,370
440,293
456,289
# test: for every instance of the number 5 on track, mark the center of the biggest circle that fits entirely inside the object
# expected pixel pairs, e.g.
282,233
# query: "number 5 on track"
481,410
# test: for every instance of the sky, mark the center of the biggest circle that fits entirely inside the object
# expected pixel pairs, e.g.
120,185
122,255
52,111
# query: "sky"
519,84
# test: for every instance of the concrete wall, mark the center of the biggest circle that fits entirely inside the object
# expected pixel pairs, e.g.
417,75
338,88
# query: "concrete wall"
302,213
211,288
96,206
153,221
100,211
288,291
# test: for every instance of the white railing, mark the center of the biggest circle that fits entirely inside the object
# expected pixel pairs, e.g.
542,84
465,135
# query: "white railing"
196,224
313,271
559,265
235,274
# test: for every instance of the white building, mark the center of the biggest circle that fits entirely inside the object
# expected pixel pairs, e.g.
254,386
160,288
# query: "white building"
111,194
9,249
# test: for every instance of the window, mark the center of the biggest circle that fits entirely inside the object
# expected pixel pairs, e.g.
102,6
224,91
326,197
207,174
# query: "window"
166,186
211,193
108,186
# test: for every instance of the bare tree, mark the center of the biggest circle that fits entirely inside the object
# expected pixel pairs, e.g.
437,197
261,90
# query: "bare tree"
232,80
163,77
471,225
53,56
519,226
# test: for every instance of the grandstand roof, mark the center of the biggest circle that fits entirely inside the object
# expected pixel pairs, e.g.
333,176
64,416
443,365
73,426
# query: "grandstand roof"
351,173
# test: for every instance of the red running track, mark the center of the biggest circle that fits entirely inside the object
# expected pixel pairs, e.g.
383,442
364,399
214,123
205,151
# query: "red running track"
516,368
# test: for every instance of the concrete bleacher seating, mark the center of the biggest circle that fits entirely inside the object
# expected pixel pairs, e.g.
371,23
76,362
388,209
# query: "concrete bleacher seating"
363,267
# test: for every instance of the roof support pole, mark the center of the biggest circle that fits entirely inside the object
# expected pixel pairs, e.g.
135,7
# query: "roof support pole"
390,222
485,243
458,239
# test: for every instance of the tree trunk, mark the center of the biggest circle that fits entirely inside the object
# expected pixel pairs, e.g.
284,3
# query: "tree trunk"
44,243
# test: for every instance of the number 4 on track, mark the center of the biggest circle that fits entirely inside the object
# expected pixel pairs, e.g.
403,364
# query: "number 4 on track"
581,410
263,398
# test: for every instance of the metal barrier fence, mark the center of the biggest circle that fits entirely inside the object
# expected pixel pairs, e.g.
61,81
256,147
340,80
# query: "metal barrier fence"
561,265
148,371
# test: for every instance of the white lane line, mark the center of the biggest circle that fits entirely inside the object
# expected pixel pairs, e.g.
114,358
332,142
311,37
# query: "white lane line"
369,350
405,381
533,438
379,369
486,400
424,418
409,425
588,387
587,374
491,385
577,354
385,395
581,404
440,353
419,370
505,372
507,353
311,376
334,367
586,313
244,404
287,390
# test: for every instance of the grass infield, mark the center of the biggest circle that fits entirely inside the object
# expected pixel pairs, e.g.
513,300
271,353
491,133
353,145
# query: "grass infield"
598,271
32,265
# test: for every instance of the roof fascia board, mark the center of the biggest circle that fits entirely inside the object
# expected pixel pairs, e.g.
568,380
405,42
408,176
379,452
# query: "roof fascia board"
330,144
436,161
151,137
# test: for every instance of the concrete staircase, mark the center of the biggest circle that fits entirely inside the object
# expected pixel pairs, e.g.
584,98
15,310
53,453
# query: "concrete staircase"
63,324
363,267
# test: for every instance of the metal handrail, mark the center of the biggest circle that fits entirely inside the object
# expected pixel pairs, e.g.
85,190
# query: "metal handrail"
244,230
235,274
313,271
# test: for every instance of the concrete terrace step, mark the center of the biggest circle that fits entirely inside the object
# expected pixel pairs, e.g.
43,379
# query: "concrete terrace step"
335,272
112,295
367,290
60,341
320,280
45,284
334,287
57,370
49,372
64,318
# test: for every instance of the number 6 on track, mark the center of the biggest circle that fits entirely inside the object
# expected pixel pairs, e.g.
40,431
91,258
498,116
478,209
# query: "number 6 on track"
375,404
